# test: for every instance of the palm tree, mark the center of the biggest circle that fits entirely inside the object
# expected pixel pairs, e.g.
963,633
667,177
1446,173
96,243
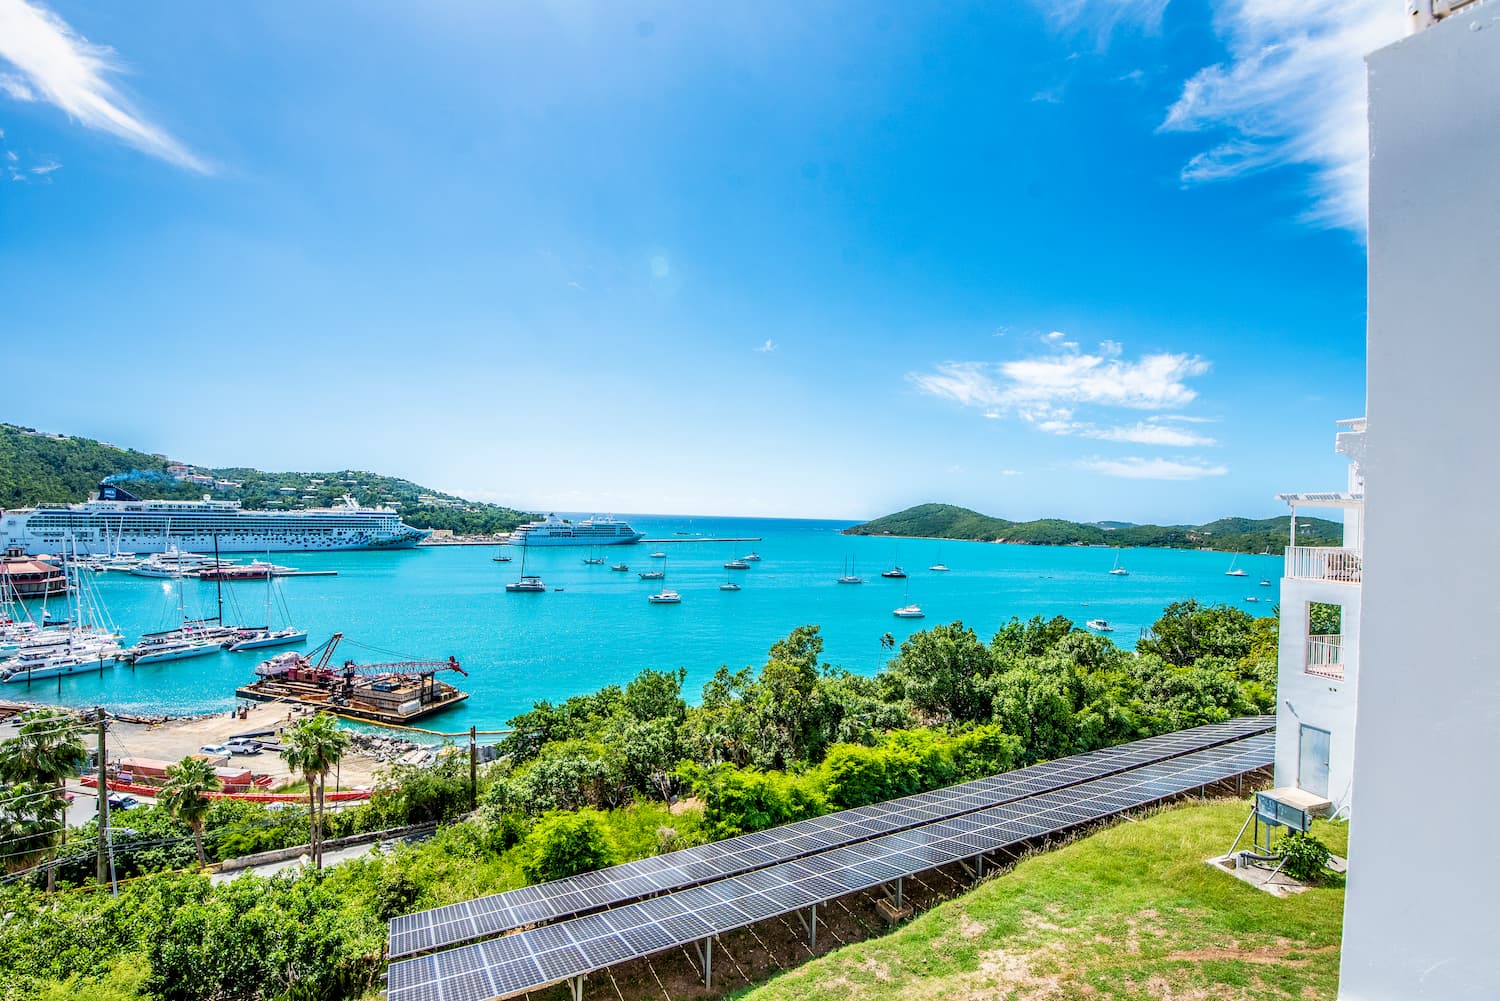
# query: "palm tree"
26,824
183,796
313,747
44,752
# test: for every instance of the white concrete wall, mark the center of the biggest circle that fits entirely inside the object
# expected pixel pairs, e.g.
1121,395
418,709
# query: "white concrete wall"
1320,702
1421,917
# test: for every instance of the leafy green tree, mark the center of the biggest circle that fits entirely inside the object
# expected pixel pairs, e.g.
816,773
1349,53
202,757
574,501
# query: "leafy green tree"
184,797
566,844
1187,631
801,648
648,751
943,670
1324,618
788,711
721,729
43,753
571,775
313,747
657,695
1016,640
1034,705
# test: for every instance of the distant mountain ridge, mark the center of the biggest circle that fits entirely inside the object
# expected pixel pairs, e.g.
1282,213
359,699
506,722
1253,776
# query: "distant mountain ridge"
38,467
1238,535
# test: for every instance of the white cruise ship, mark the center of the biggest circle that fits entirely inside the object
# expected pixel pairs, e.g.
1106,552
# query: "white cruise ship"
115,521
555,531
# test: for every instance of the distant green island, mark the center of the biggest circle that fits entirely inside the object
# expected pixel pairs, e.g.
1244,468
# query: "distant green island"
1231,535
39,467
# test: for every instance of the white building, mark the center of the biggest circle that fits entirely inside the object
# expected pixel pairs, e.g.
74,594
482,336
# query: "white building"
1420,920
1318,660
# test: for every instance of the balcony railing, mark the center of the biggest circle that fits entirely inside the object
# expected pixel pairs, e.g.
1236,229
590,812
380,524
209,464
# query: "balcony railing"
1323,563
1325,656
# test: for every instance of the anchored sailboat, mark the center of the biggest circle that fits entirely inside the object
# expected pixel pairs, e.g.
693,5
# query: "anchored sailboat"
258,637
528,583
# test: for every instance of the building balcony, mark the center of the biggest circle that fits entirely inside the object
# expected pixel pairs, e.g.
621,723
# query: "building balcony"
1324,563
1325,656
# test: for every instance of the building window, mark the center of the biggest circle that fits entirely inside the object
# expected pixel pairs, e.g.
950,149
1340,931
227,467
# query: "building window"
1325,640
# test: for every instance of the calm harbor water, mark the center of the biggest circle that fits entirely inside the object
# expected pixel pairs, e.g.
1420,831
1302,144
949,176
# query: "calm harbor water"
519,648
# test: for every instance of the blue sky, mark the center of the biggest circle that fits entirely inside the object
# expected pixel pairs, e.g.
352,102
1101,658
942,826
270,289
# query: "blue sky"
1092,260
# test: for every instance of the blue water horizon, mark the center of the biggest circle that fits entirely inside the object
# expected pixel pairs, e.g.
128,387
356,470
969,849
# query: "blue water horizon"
597,628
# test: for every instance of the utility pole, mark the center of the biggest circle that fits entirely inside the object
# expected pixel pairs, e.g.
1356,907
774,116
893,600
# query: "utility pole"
473,768
101,868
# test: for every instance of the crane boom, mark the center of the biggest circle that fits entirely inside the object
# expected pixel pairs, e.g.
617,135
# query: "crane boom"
404,667
328,649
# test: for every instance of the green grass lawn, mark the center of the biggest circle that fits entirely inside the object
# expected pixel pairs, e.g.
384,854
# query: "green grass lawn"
1131,912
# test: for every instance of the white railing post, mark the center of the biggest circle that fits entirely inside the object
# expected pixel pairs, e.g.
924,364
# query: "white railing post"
1325,657
1323,563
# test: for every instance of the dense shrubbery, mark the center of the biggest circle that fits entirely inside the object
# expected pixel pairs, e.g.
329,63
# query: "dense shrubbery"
601,778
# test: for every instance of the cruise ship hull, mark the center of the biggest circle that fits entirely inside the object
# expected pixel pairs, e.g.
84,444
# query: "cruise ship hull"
534,541
118,522
96,545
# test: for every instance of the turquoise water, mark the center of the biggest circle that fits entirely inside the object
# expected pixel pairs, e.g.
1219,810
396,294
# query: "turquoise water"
519,648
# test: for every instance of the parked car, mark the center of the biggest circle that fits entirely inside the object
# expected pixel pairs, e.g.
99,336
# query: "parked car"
243,747
119,802
217,750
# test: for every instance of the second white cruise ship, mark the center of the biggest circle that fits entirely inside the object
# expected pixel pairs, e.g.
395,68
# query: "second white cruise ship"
555,531
116,521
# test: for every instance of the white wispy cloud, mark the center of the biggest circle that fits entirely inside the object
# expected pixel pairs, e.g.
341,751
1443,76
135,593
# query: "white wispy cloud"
767,347
1102,18
1291,93
1144,433
1010,472
1036,386
1137,468
53,63
15,87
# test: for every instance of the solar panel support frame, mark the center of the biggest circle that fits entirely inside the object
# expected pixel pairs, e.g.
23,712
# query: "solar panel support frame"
810,923
705,950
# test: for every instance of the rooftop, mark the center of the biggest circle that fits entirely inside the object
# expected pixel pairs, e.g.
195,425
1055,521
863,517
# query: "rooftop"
1324,499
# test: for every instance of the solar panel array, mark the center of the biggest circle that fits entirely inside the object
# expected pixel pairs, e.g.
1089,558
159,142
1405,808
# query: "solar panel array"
541,956
563,898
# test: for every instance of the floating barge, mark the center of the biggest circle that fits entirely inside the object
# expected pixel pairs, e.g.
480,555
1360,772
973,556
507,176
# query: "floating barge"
395,694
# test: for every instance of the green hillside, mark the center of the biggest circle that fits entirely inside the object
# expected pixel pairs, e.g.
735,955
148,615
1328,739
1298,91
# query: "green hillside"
41,468
1240,535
